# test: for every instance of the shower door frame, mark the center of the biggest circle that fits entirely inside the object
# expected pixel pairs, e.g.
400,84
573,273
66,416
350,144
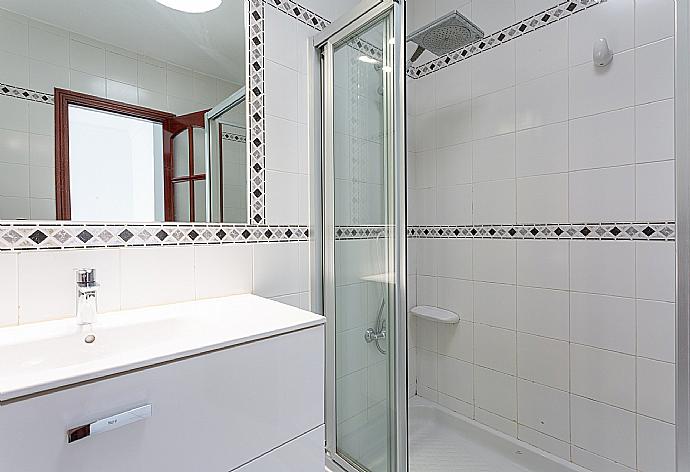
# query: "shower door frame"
322,228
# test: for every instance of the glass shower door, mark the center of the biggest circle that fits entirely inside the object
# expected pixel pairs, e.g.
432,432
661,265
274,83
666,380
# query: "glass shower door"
363,247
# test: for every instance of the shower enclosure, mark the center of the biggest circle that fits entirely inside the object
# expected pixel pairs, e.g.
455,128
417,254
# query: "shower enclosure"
497,255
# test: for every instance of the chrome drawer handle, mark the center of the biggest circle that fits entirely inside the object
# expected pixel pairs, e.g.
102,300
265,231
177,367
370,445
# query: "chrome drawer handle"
108,424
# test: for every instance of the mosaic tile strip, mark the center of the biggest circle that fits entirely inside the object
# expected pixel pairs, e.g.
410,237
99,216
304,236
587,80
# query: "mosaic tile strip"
15,237
257,119
360,232
238,138
26,94
300,13
663,231
529,25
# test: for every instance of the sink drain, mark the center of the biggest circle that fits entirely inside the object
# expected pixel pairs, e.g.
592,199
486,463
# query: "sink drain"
89,339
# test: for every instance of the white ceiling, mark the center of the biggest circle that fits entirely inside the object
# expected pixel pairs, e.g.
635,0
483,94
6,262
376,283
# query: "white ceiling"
211,42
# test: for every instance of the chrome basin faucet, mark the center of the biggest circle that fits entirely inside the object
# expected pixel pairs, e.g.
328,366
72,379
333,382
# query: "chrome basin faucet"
87,289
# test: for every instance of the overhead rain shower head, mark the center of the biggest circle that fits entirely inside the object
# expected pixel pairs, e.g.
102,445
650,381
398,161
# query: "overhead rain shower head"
446,34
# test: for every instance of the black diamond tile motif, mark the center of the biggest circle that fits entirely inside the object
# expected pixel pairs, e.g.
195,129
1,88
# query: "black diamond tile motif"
126,235
648,231
246,234
193,235
161,235
84,236
585,231
221,234
38,236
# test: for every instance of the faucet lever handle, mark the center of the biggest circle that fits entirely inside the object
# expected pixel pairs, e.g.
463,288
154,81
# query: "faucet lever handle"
86,277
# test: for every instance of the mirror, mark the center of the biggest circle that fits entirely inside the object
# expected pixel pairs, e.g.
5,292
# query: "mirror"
135,112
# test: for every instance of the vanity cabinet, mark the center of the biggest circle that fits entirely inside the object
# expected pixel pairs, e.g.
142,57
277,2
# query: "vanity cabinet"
255,407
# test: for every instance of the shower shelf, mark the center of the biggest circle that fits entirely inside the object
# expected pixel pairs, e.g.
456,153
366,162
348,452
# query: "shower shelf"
435,314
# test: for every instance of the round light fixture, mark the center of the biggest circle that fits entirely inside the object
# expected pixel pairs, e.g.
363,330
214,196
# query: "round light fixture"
191,6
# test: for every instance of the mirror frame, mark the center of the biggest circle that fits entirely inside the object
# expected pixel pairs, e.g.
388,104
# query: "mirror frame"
211,130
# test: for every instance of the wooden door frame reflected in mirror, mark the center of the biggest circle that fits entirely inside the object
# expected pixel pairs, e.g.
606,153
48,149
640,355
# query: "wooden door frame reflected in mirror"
63,99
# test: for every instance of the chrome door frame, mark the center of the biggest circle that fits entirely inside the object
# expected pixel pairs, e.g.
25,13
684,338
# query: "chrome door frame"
323,223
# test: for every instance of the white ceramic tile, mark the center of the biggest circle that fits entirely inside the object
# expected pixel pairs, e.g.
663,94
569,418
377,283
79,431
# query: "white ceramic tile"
493,70
44,76
454,205
655,445
543,312
495,392
495,349
542,150
351,355
424,130
591,424
12,208
453,125
604,267
281,91
352,398
457,296
590,376
591,461
15,69
493,15
40,118
542,101
121,92
87,83
542,198
282,145
426,369
178,83
603,140
14,180
42,209
493,114
41,182
454,165
47,46
464,408
602,195
427,259
453,84
14,35
54,273
86,58
282,203
457,341
455,258
495,261
613,21
496,422
596,90
654,20
351,307
544,442
276,269
494,158
494,202
527,8
151,77
15,114
205,89
223,270
14,147
655,389
654,71
542,52
121,68
425,94
425,169
603,321
543,264
654,137
544,409
427,291
280,38
150,99
655,191
174,280
543,360
455,378
656,330
495,305
656,270
9,292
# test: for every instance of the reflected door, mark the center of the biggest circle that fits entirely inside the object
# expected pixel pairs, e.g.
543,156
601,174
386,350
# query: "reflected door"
363,248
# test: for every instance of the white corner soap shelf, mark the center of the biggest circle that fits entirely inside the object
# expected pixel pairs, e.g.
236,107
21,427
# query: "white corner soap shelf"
433,313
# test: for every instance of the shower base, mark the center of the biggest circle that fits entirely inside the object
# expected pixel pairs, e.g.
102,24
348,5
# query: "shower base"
444,441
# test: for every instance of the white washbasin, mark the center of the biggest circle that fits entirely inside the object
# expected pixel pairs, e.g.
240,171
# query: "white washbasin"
43,356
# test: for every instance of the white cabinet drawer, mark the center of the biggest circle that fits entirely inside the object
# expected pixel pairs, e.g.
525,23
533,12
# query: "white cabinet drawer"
303,454
213,412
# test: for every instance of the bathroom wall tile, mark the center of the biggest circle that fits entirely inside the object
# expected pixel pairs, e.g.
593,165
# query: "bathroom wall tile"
455,258
602,195
351,307
543,52
604,267
527,8
654,71
494,202
543,312
9,303
542,150
655,389
495,305
542,101
12,208
654,20
493,114
179,82
427,335
495,392
223,270
464,408
86,58
149,99
54,272
14,180
595,91
454,165
495,261
42,182
122,69
455,378
426,369
351,356
453,84
42,209
614,21
655,191
46,76
87,83
656,330
496,422
603,321
282,203
454,205
542,198
276,269
14,147
603,140
544,409
591,423
493,70
457,341
656,270
425,169
493,14
494,158
544,442
457,296
543,360
173,280
654,135
47,45
280,33
15,70
543,264
122,92
282,145
494,348
40,118
655,444
590,376
151,77
425,94
14,34
424,130
281,91
353,398
453,125
15,114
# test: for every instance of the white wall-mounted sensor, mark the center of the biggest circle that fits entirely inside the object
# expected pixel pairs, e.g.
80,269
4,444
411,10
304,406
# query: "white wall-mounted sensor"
603,55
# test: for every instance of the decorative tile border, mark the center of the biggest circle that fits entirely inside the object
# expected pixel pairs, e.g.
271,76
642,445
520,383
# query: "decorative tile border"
257,119
529,25
16,237
360,232
237,138
300,13
640,231
26,94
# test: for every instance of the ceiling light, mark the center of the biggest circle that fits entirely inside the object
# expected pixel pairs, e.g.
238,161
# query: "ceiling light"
191,6
368,60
